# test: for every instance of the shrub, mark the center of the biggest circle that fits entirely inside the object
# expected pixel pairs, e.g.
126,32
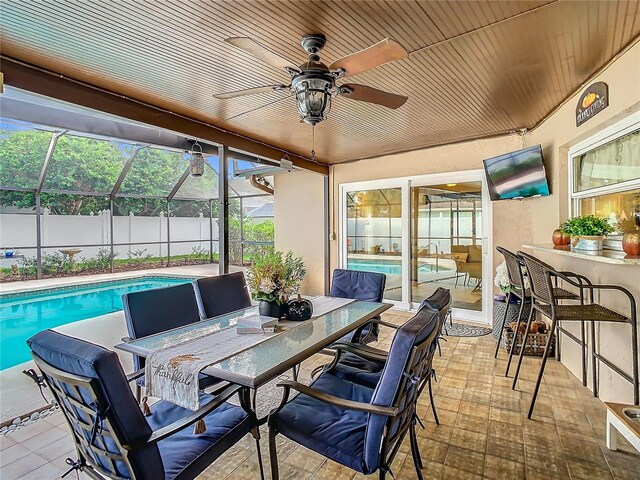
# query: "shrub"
198,253
586,226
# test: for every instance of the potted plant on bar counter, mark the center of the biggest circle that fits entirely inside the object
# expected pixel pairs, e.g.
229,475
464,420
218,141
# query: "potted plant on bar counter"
272,279
587,232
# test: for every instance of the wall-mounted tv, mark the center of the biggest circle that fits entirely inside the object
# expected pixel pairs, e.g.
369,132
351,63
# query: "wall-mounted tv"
517,175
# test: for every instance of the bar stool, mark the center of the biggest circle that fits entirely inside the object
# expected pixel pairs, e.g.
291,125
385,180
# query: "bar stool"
518,289
545,302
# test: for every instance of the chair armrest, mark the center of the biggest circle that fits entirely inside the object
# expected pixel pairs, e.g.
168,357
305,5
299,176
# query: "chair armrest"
580,278
337,401
178,425
363,351
126,339
135,375
386,324
591,287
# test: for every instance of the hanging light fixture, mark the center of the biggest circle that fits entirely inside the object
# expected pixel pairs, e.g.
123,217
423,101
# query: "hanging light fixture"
314,84
197,160
313,98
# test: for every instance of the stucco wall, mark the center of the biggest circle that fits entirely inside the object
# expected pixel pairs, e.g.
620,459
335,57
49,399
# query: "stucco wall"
299,223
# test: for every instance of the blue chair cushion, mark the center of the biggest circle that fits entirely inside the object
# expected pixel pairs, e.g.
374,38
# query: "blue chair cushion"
412,333
358,370
440,299
363,286
85,359
221,294
334,432
226,425
160,309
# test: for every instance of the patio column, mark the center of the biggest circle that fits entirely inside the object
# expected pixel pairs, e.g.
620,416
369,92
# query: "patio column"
223,210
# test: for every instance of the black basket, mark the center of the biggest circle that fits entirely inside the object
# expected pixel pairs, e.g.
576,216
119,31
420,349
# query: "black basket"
512,315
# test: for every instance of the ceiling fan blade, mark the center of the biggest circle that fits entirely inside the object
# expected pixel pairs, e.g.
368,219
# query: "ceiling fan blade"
363,93
382,52
250,91
261,52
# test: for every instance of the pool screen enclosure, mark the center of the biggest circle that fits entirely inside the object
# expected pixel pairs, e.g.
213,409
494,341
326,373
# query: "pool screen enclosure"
66,167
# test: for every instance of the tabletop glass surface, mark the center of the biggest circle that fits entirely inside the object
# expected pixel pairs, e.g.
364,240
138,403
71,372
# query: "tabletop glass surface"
263,357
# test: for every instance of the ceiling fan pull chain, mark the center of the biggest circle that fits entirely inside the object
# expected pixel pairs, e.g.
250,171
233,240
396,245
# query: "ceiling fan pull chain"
313,142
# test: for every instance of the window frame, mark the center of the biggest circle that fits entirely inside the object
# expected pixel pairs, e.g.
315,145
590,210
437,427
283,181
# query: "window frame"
625,126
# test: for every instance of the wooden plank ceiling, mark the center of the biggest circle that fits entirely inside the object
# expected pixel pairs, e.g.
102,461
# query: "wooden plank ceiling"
475,69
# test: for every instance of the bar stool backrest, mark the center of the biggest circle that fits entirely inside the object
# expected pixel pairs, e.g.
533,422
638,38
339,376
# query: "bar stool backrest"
514,268
539,278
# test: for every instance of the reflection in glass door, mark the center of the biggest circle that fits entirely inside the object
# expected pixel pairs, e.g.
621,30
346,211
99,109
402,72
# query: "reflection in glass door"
446,242
374,235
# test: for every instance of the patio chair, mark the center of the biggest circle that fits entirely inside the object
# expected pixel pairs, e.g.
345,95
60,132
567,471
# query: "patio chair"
157,310
221,294
518,289
364,286
360,427
363,364
112,437
544,300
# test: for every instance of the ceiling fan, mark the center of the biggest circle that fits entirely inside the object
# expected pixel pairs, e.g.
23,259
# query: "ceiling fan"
314,83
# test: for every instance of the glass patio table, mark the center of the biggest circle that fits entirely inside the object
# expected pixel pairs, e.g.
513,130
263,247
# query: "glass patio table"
257,365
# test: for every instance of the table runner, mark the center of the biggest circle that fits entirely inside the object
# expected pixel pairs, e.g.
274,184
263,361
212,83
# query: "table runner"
172,373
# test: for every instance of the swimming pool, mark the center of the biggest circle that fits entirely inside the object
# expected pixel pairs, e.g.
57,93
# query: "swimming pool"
25,314
386,266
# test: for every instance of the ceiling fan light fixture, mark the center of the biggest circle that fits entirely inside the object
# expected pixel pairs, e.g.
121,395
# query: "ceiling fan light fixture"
196,161
313,98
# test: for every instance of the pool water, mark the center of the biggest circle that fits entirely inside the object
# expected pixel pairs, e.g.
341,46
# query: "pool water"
25,314
388,267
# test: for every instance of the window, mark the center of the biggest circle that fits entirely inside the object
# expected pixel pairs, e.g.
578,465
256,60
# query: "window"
605,175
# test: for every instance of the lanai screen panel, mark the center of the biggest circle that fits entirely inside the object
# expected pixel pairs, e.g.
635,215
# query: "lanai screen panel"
204,187
154,173
87,165
23,148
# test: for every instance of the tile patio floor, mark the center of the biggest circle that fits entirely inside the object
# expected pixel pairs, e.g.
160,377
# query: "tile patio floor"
484,432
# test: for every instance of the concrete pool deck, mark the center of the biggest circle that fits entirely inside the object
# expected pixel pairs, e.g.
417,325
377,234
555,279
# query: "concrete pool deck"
18,394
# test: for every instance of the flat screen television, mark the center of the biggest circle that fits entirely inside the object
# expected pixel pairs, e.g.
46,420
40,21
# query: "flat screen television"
517,175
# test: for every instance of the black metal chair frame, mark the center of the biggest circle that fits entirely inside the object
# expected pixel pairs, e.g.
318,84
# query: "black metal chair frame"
515,265
547,304
418,369
97,410
380,356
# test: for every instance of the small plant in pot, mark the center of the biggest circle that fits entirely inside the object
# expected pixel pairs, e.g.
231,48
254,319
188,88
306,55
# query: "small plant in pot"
587,232
272,279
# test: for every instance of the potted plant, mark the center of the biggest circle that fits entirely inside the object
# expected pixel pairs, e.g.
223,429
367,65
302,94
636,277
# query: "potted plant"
587,232
272,279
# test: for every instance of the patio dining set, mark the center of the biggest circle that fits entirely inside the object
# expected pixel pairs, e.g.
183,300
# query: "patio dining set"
357,411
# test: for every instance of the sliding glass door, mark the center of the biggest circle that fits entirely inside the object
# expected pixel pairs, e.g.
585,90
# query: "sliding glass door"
446,242
423,233
374,235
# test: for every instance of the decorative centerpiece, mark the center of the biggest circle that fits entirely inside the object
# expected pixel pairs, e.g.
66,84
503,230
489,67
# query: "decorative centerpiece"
272,279
587,232
299,309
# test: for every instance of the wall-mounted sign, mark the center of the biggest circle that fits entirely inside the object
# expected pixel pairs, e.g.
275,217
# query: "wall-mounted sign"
592,101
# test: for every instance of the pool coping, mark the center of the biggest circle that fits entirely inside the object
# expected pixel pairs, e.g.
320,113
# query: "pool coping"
78,282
